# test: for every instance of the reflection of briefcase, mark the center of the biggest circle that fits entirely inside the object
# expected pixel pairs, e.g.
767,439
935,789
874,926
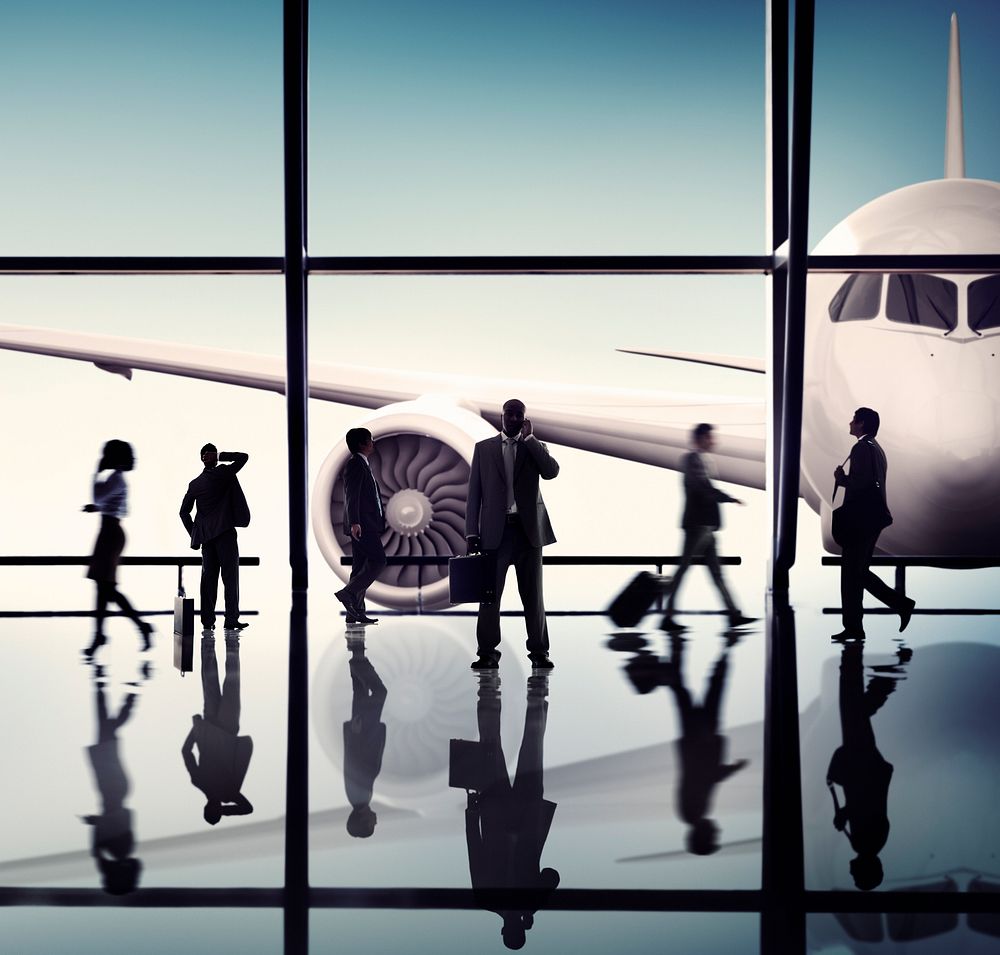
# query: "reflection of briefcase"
467,765
632,604
472,579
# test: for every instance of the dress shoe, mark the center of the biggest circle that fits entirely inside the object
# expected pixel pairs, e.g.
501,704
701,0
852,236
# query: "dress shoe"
146,632
670,625
484,663
362,619
347,599
237,627
540,661
738,620
905,614
98,641
845,635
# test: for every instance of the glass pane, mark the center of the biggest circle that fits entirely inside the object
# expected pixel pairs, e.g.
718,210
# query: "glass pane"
984,304
449,128
142,129
880,82
118,931
858,298
922,300
587,933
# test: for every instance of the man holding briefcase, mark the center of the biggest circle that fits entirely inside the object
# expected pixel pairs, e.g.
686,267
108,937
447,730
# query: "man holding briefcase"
506,517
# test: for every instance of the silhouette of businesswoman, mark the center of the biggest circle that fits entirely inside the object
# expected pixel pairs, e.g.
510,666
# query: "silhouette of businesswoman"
110,495
222,508
112,839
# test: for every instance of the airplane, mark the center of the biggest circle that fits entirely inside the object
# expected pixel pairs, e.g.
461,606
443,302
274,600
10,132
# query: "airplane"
941,421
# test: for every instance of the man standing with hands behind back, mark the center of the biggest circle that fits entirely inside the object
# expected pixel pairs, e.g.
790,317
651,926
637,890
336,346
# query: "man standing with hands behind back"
506,516
221,509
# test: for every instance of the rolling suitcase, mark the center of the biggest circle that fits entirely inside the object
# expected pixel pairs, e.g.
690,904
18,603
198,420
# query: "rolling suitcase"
633,603
472,579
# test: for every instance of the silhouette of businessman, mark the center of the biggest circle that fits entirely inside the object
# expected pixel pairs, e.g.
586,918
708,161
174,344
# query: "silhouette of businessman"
506,517
364,523
112,839
364,739
506,824
223,755
222,508
701,749
859,768
700,520
865,494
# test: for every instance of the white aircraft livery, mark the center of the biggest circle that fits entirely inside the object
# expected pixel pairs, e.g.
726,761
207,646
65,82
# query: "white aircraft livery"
921,349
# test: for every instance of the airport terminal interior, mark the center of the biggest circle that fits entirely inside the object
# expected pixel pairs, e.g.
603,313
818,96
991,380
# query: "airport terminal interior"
264,224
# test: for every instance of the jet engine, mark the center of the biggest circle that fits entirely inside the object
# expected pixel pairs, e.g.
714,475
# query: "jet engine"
423,450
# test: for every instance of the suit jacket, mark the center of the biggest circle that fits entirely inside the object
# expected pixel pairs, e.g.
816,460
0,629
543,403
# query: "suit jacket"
221,503
361,497
867,472
701,496
486,507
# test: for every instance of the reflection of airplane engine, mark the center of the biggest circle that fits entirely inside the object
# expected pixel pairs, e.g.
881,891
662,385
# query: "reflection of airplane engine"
421,462
431,698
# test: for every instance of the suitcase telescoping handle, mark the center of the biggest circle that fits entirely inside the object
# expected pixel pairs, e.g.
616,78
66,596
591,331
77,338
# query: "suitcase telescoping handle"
180,581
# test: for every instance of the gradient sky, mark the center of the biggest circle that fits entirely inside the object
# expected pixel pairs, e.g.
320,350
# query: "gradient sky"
557,127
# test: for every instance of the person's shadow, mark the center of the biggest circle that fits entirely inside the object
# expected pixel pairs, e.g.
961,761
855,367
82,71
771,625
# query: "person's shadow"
223,755
506,824
364,738
858,767
701,748
112,837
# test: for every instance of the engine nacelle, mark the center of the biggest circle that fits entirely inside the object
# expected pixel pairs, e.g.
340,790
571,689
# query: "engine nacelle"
423,450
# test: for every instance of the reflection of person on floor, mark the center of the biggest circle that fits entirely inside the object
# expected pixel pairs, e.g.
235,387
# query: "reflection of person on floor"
860,769
113,841
506,825
364,740
701,750
111,502
223,755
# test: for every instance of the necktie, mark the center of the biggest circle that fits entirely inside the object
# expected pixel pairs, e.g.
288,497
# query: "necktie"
509,447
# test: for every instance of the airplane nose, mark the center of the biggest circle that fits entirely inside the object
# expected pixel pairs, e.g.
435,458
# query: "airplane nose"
960,423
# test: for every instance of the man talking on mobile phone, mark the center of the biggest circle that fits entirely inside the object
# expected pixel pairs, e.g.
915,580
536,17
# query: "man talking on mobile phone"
506,517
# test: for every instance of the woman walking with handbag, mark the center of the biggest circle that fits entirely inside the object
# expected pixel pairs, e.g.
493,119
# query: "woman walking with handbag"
111,501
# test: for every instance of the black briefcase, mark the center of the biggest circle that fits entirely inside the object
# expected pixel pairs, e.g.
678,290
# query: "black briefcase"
468,766
633,603
183,633
472,579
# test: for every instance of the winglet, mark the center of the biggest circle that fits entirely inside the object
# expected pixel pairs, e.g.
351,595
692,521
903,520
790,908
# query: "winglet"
954,144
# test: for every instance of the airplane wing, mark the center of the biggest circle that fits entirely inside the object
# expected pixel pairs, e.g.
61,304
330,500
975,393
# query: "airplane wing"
740,363
651,427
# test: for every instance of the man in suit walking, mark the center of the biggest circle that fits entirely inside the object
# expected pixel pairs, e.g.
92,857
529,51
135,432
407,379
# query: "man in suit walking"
364,522
700,521
222,508
864,493
506,517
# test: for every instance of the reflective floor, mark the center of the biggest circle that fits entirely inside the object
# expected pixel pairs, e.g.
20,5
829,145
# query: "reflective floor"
634,767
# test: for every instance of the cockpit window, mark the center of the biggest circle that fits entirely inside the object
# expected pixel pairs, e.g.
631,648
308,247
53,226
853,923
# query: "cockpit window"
984,304
857,299
924,300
